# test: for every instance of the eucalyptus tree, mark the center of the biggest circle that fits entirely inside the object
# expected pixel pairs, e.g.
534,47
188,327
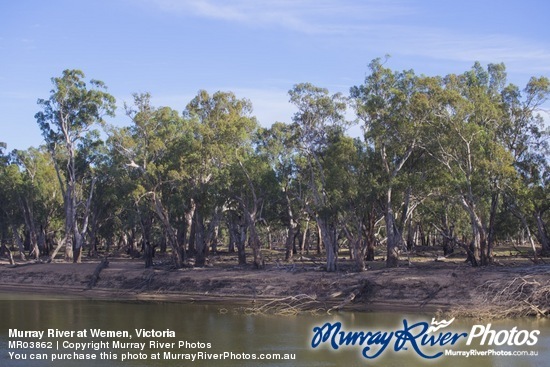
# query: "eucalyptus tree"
4,228
222,126
72,111
11,215
31,201
3,156
458,143
108,208
391,106
152,151
254,188
523,134
4,200
319,117
39,197
472,127
278,145
343,173
112,204
118,208
369,204
541,205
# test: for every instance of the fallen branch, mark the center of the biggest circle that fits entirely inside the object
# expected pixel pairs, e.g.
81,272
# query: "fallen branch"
289,306
523,296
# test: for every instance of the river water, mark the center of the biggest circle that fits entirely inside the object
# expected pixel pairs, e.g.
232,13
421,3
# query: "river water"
215,330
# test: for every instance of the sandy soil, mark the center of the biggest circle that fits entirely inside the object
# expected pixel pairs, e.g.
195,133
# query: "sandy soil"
428,286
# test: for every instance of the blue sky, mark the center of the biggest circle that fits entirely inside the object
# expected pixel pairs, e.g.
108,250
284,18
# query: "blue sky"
257,49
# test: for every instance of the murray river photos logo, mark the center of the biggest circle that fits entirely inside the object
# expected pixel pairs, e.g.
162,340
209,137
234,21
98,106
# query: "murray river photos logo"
426,340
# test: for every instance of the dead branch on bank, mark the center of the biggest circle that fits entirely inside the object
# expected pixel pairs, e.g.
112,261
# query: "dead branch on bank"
289,306
523,296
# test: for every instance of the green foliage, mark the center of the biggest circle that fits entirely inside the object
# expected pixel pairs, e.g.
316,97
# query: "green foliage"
463,151
72,108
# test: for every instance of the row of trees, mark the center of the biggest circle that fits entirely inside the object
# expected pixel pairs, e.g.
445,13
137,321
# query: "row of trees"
462,156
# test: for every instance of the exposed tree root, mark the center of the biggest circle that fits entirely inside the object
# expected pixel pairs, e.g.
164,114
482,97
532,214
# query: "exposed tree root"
95,276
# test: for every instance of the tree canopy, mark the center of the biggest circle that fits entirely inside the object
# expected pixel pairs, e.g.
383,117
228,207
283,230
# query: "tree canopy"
455,161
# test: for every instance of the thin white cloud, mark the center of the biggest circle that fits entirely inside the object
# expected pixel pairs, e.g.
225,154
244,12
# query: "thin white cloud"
380,24
519,54
305,16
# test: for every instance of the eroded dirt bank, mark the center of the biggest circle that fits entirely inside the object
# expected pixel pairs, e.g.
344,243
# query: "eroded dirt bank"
454,288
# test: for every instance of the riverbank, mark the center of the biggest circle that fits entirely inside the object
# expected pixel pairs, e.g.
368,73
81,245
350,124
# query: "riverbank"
450,287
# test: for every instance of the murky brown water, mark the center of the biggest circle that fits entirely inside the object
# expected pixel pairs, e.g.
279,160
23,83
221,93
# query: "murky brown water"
214,330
